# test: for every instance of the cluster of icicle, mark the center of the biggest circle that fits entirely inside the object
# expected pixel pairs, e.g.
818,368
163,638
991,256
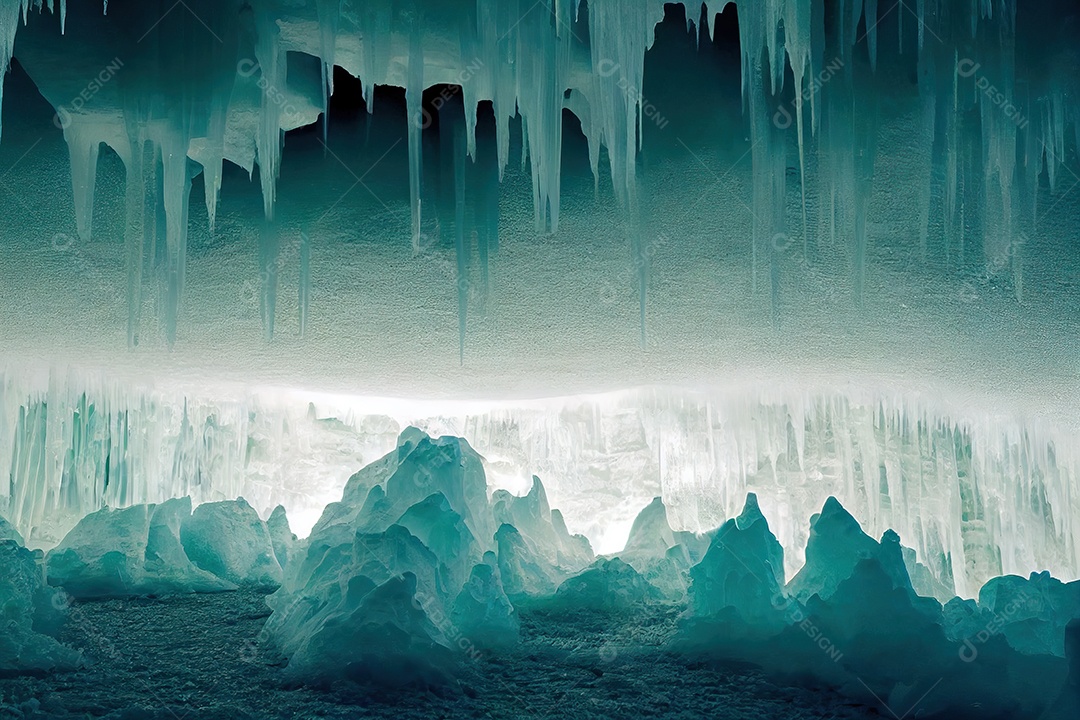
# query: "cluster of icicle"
192,76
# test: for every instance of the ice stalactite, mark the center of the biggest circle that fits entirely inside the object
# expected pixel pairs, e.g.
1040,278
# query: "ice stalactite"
329,14
544,34
417,121
304,283
84,143
176,195
269,263
271,57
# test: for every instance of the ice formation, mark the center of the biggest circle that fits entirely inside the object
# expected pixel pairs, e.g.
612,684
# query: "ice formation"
388,595
130,551
32,615
990,103
230,541
973,496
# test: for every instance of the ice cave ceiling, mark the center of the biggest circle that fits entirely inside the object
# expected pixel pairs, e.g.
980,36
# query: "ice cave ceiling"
491,198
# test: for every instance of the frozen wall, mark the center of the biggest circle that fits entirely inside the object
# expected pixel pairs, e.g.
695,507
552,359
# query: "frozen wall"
976,497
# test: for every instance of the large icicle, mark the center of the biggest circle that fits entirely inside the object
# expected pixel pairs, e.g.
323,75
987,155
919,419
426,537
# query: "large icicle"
84,142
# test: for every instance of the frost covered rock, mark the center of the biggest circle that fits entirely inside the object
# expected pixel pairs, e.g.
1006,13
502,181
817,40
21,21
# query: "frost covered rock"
608,585
742,572
8,532
130,551
482,612
28,609
229,540
281,535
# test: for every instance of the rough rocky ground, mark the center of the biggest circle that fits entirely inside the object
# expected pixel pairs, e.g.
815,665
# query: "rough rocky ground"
196,657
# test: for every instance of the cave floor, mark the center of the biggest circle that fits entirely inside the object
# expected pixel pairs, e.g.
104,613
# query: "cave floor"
195,657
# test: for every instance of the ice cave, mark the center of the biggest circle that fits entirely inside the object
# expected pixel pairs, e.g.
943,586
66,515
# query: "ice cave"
538,359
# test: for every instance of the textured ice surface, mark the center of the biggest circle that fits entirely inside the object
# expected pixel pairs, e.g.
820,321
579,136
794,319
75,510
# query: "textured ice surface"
230,541
130,551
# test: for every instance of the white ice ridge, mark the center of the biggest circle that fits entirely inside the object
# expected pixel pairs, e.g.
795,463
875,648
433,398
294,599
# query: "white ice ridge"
208,81
976,496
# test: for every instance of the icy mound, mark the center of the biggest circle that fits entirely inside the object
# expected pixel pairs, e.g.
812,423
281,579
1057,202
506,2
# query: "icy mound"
836,546
132,551
419,513
663,556
8,532
853,620
281,535
609,585
1031,614
382,634
742,574
29,609
230,541
542,528
523,571
482,611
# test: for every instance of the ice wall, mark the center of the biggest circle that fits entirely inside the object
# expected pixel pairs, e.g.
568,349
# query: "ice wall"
176,93
975,496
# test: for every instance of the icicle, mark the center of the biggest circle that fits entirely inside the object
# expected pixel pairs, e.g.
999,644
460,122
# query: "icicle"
414,97
871,18
140,162
271,59
83,146
304,282
176,183
269,264
328,11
